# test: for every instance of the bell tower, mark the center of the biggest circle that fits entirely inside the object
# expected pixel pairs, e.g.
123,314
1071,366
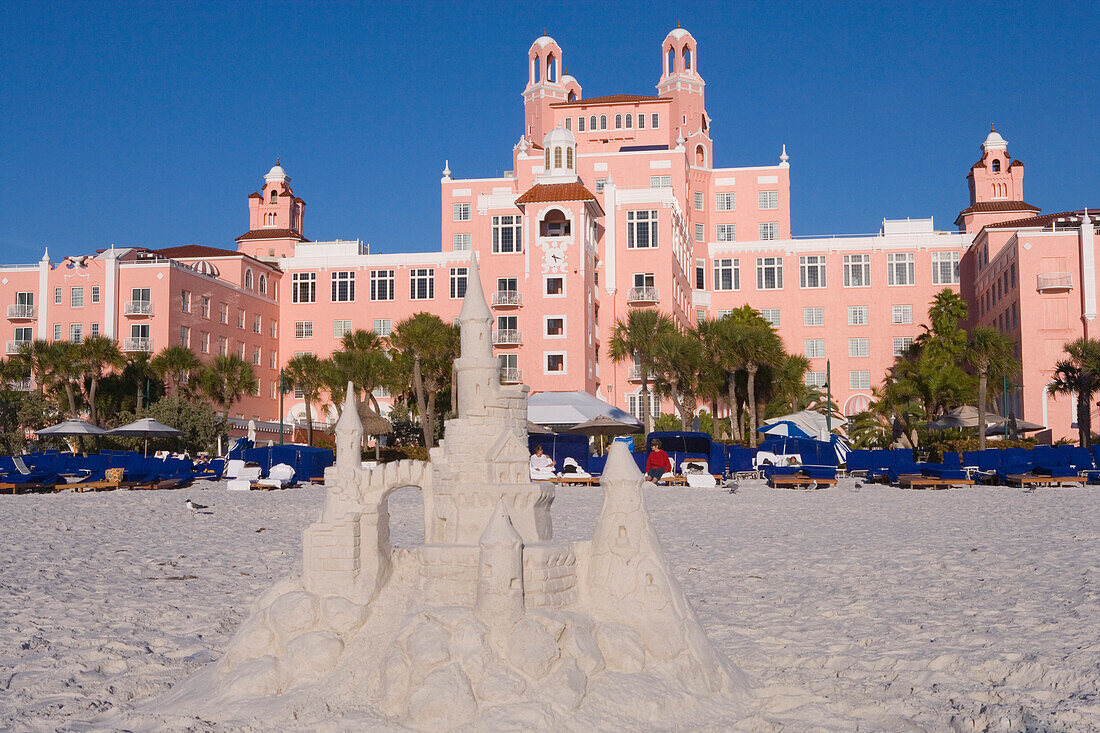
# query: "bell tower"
681,82
996,187
275,217
545,86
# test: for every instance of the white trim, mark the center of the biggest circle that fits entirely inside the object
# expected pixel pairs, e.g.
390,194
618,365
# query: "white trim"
564,363
546,323
564,286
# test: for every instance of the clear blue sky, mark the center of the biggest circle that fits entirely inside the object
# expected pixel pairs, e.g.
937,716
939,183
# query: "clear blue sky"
150,123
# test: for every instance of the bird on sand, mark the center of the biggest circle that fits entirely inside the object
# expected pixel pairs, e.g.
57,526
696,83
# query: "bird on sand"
194,507
813,485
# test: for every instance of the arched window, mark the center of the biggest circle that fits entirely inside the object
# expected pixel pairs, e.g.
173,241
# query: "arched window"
551,68
687,59
603,122
572,96
274,197
263,283
569,158
557,157
592,122
700,156
670,61
580,124
996,166
618,122
537,69
547,164
629,121
248,279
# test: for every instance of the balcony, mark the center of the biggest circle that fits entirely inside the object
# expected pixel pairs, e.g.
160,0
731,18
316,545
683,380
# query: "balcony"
21,385
22,312
634,374
511,375
138,308
1049,282
15,347
507,299
507,337
642,296
138,343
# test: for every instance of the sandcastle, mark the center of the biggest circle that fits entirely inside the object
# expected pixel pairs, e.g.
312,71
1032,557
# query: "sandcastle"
489,623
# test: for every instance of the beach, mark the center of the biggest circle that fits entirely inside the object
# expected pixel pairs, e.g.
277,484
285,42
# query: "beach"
852,608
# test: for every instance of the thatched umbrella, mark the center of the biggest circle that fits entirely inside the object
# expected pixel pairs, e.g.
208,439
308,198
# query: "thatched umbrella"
373,424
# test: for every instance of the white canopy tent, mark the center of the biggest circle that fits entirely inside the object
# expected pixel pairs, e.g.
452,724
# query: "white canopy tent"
566,409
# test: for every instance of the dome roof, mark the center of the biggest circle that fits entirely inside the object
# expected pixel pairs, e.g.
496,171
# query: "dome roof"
994,141
559,136
544,40
677,33
276,174
205,268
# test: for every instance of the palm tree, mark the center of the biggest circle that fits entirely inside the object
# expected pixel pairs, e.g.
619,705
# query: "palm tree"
426,348
1079,375
98,353
306,373
633,340
137,371
35,355
676,360
67,367
226,380
990,352
174,364
361,360
756,345
711,375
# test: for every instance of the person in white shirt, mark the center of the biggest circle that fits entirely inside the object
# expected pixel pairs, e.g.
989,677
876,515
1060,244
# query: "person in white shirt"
542,465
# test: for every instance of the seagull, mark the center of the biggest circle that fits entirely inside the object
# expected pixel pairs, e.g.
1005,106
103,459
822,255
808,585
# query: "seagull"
813,485
731,484
194,507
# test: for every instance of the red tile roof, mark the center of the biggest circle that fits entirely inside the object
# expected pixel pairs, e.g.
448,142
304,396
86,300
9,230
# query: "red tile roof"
272,234
612,99
1041,221
554,192
988,206
195,250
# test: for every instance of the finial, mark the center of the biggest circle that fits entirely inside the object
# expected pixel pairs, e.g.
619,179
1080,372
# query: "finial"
677,24
447,168
783,157
992,127
277,160
46,255
544,32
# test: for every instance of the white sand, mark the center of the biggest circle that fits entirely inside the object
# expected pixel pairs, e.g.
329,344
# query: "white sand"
878,609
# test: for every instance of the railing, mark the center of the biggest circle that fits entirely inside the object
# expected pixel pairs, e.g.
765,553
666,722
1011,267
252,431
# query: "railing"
137,343
21,385
22,312
138,308
507,299
16,347
511,375
507,337
642,295
1054,281
634,374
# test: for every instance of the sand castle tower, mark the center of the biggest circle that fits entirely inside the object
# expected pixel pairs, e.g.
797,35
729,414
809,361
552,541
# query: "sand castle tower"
490,623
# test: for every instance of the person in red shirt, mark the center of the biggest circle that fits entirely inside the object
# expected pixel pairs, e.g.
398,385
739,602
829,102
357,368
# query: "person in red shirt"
657,463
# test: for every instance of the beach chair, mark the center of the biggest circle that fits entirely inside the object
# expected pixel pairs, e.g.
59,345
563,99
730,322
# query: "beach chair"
246,477
800,477
279,477
696,474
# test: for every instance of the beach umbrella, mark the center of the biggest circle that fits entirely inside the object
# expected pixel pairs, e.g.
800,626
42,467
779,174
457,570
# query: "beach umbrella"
74,426
534,429
812,423
146,428
602,425
784,429
1000,427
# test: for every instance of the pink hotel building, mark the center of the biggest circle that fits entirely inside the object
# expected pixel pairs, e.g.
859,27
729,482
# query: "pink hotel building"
612,203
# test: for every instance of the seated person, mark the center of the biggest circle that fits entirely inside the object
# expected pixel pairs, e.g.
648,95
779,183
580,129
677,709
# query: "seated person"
542,465
657,463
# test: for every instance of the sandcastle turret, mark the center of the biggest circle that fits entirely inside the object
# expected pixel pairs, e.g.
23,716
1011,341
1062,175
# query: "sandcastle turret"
349,433
477,371
500,572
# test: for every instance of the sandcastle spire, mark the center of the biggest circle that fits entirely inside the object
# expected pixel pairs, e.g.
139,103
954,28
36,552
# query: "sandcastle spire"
500,571
349,432
474,306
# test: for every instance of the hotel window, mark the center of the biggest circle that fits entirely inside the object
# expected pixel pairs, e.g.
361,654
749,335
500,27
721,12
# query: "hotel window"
814,348
555,363
771,315
248,277
592,123
274,391
769,273
223,313
204,343
76,297
725,201
641,229
223,346
557,157
95,293
204,305
95,329
767,199
57,332
555,326
303,287
263,283
185,301
857,271
811,271
460,212
945,268
857,315
901,268
303,329
76,332
603,122
815,379
460,242
902,314
422,283
641,121
555,286
343,286
654,119
508,233
859,379
700,232
859,347
458,282
185,336
57,297
725,233
257,323
240,319
256,356
629,122
381,285
902,344
568,123
727,274
700,274
813,316
700,203
600,183
635,405
644,280
618,122
272,359
769,230
660,181
274,328
382,326
580,124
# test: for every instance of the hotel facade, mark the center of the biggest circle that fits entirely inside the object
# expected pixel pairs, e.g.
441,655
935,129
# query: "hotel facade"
611,204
